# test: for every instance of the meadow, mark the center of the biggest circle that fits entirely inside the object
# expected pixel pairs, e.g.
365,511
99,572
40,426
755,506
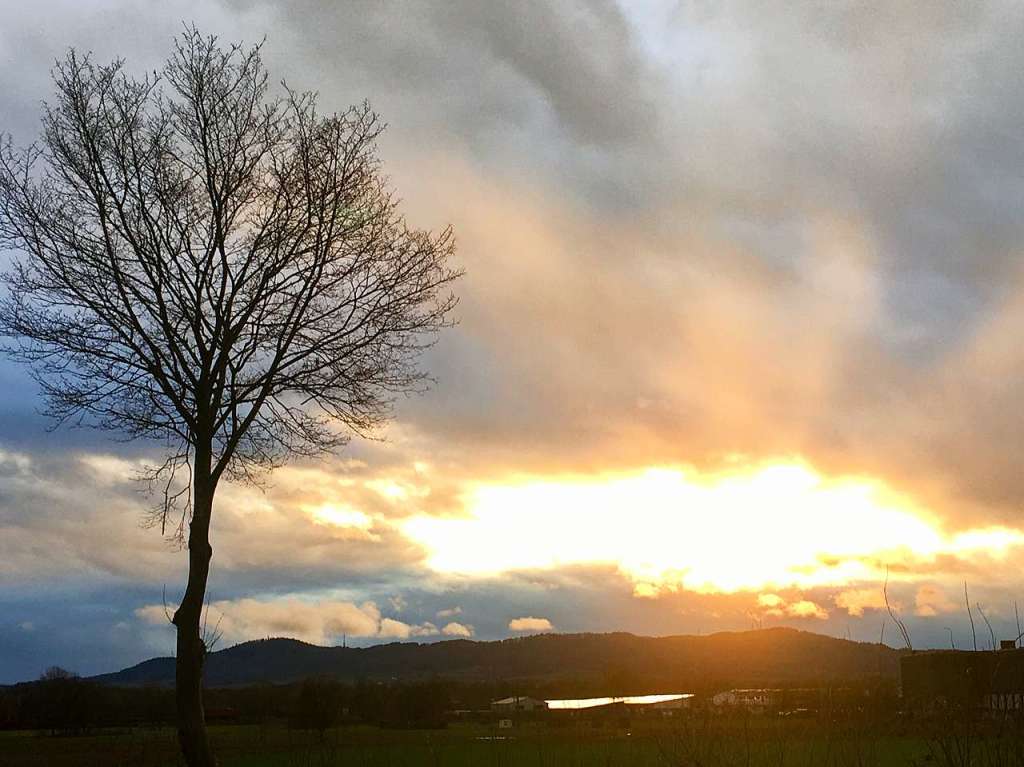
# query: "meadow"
750,743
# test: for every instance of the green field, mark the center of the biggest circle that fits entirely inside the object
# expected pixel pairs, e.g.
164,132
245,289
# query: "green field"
757,745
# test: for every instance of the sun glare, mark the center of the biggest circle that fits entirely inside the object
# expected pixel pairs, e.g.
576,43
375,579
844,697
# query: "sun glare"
776,526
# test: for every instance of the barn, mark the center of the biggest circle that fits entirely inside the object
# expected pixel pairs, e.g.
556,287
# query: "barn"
518,703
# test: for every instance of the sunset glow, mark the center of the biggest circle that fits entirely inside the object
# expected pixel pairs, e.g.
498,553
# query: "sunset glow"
774,526
341,516
502,321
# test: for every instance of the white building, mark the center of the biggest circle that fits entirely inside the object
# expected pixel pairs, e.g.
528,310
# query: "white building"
752,700
518,703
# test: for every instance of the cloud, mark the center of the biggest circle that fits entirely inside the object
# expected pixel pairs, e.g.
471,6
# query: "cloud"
454,629
323,622
425,629
856,601
851,280
530,623
82,509
393,629
863,313
931,600
398,603
449,612
675,527
777,606
806,609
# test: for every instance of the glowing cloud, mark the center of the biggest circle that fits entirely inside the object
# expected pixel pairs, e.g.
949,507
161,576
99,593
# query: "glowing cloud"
931,600
773,526
856,601
530,624
806,609
352,522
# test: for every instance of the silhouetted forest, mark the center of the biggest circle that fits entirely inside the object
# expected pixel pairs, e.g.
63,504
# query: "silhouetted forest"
69,705
601,664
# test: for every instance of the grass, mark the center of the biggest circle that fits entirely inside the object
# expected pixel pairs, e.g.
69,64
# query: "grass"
762,744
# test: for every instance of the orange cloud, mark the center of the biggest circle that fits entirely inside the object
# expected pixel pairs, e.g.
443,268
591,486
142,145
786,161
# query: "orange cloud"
931,600
530,623
856,601
806,609
777,606
676,527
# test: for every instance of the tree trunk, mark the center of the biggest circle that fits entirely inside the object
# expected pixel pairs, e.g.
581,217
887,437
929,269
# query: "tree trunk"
191,650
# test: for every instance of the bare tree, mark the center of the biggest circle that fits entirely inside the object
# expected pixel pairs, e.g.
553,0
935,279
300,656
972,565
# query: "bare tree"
217,268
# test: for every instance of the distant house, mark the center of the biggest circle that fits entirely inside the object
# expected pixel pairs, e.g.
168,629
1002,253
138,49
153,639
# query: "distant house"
518,703
758,700
991,680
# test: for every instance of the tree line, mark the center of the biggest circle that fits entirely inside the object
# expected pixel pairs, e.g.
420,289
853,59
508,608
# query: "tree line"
62,703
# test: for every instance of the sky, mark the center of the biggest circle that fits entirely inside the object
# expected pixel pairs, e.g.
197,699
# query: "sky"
739,336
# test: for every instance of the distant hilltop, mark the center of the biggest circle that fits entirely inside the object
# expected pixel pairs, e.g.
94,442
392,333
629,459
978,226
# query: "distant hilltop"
629,663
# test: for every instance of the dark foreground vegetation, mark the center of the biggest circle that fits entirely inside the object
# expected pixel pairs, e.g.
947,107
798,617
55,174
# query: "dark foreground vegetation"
64,720
61,703
694,741
432,705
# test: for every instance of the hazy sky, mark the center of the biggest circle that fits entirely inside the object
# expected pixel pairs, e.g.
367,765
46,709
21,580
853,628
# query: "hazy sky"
741,327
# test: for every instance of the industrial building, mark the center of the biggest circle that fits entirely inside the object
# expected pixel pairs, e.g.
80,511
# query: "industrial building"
991,680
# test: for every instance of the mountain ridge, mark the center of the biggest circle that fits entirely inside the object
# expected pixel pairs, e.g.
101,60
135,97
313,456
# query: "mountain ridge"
777,655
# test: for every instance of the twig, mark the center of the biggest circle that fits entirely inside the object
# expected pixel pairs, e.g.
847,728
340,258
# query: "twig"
1016,614
892,613
984,617
970,615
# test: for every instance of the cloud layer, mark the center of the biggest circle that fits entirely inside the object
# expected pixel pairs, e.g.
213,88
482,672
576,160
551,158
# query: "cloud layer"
696,235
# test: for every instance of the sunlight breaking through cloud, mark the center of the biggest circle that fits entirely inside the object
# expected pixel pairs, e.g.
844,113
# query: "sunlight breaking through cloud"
774,525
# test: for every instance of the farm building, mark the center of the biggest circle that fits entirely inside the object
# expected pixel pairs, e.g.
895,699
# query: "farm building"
989,680
752,700
789,700
518,703
665,705
647,702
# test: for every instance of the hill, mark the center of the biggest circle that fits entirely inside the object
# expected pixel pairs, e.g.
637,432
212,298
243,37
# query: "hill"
776,656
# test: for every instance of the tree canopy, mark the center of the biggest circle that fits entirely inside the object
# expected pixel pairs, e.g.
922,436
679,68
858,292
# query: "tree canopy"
204,261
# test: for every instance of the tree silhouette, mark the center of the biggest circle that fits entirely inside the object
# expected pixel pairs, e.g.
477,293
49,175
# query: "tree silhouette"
62,702
317,705
217,268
